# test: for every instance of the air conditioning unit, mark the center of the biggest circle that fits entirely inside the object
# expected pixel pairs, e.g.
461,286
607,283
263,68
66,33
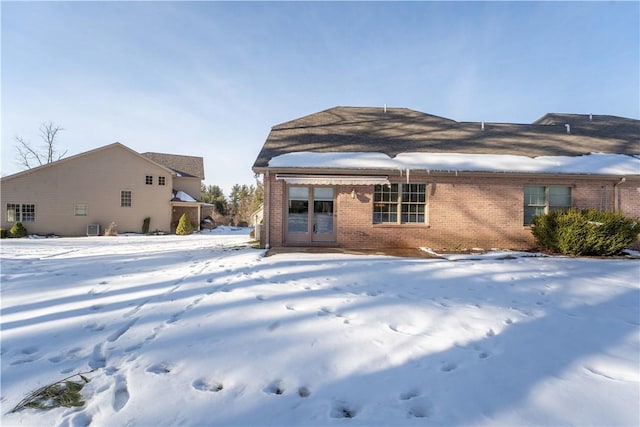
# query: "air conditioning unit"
93,230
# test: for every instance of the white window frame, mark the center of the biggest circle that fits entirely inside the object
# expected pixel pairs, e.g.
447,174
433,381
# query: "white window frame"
81,209
123,198
22,212
399,195
547,206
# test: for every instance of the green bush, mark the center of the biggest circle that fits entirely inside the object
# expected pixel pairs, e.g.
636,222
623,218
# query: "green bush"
3,233
585,232
145,225
18,230
184,226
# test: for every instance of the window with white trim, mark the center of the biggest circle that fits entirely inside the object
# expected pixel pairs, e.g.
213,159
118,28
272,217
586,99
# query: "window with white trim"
21,212
400,204
125,198
162,180
540,199
148,179
81,209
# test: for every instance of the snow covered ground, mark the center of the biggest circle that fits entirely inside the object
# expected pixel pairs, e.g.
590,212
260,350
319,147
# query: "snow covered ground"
203,330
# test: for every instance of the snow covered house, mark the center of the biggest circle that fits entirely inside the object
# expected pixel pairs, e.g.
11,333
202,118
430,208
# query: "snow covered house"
85,193
394,177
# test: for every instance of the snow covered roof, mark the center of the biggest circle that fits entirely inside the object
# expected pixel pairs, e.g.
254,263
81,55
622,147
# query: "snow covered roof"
597,163
400,130
181,196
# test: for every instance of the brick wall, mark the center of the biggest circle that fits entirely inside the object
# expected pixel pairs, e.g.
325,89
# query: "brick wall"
463,212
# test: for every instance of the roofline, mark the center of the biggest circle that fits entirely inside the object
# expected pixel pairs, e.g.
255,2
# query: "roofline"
422,171
79,155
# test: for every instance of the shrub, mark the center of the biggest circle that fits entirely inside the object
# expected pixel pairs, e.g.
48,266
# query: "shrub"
3,233
184,226
585,232
18,230
145,225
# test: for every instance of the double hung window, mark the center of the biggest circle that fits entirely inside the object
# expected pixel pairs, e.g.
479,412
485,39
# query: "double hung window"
540,199
400,204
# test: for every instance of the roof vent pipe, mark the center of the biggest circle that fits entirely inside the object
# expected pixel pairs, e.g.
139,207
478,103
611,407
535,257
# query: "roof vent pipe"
590,117
385,108
568,126
482,125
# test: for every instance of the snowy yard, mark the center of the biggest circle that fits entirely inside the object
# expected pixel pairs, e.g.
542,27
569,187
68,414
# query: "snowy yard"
204,330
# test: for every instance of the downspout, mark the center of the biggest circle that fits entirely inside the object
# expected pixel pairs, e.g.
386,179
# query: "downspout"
616,195
267,205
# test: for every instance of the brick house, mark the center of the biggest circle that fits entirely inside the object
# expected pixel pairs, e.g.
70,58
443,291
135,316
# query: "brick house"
113,183
393,177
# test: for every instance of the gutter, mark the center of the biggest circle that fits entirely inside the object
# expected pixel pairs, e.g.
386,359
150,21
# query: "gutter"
616,194
267,208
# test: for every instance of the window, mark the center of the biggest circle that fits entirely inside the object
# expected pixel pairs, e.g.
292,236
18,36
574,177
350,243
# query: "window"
125,198
539,200
148,179
13,212
162,180
414,197
25,212
391,206
28,213
385,204
81,209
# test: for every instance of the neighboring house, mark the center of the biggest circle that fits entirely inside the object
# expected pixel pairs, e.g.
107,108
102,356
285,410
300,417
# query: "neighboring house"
110,184
394,177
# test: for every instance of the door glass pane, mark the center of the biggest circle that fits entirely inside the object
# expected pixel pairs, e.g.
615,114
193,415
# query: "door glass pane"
323,193
323,210
298,218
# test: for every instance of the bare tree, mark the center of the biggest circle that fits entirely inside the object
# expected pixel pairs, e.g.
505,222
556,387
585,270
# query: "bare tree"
29,156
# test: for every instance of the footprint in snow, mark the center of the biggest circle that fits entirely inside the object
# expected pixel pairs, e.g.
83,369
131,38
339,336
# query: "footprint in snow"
341,409
98,357
418,411
304,392
120,394
160,368
448,367
275,387
408,395
205,385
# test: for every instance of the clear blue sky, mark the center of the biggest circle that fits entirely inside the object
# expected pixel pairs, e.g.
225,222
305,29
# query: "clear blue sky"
211,78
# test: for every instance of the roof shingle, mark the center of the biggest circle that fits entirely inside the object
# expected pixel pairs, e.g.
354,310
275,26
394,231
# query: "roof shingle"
189,166
401,130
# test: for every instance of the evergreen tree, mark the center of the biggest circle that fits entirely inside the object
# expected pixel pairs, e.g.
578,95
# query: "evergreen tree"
184,226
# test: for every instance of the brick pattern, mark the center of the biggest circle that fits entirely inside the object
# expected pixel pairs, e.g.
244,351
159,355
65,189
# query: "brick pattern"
463,212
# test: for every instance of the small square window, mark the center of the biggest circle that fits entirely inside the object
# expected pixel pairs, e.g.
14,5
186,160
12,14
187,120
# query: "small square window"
148,179
81,209
162,180
125,198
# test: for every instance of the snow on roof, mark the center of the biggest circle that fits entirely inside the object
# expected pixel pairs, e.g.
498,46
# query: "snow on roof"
595,163
184,197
